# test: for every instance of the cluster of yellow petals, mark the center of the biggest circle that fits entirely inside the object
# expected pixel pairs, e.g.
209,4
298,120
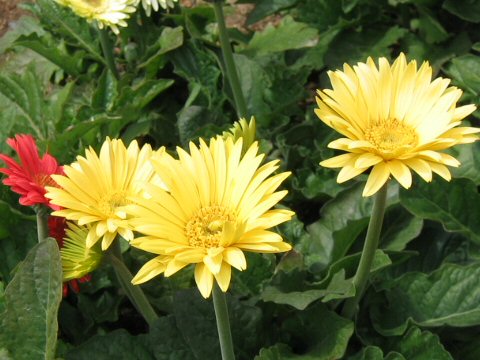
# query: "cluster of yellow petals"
109,13
96,188
395,119
218,204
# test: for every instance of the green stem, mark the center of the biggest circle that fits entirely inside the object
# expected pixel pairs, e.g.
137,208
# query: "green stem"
368,252
107,49
223,323
134,292
231,70
42,222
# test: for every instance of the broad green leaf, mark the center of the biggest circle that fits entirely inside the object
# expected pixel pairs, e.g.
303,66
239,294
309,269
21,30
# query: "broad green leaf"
288,35
267,7
342,220
399,228
26,25
254,81
55,51
358,46
199,67
456,205
170,39
29,324
118,344
447,296
260,268
106,92
73,27
429,27
26,95
368,353
320,333
465,70
140,95
469,157
419,345
195,319
294,291
465,9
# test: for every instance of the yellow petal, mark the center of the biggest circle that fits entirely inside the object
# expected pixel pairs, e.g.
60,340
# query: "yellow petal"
376,179
400,172
337,161
213,262
151,269
223,277
204,279
421,167
235,257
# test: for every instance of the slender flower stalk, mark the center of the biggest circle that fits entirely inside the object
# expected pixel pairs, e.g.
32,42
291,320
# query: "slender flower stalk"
107,48
134,293
368,253
223,323
231,70
42,222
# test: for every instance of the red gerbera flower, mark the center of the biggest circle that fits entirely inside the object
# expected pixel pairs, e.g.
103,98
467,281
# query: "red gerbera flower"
30,176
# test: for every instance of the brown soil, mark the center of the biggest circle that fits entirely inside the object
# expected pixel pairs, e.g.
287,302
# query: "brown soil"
9,12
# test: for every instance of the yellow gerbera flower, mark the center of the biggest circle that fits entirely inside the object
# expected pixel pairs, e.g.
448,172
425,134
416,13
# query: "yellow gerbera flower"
218,204
112,13
242,129
77,259
148,5
395,119
95,188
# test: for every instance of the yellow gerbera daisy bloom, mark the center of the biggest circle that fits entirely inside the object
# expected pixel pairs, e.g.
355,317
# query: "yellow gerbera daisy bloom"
148,5
77,259
95,188
111,13
242,129
218,205
395,119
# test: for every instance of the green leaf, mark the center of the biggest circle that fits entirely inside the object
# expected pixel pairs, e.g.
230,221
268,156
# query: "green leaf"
446,203
195,319
32,299
105,93
429,27
468,10
288,35
320,333
465,70
358,46
420,345
399,228
118,344
26,95
368,353
55,51
170,39
469,157
140,95
267,7
447,296
26,25
73,27
342,220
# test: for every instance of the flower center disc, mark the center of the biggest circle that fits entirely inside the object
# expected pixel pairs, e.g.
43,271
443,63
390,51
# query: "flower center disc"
391,137
205,229
108,204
